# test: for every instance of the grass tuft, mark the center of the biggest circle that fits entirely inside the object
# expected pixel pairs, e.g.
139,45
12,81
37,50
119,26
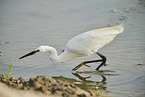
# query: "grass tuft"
8,73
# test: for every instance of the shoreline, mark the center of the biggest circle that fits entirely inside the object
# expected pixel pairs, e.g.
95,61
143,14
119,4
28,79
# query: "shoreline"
41,85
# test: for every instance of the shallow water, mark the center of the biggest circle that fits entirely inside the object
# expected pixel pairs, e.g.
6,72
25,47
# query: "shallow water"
29,24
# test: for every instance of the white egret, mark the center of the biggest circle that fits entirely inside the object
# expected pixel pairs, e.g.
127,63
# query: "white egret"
81,45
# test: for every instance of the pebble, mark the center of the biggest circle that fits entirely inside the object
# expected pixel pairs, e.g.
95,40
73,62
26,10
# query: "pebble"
81,95
3,80
36,84
20,78
46,92
140,64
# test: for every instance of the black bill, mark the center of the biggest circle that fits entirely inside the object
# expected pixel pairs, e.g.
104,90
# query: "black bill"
31,53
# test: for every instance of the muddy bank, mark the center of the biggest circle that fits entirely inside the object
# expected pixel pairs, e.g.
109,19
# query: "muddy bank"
42,85
6,91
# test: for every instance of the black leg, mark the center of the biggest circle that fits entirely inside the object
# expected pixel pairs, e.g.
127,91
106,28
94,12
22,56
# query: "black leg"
103,60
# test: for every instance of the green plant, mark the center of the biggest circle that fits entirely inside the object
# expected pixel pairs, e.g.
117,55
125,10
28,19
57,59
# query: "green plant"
8,73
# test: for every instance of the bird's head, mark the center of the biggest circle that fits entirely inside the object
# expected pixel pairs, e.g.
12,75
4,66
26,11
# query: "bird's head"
39,49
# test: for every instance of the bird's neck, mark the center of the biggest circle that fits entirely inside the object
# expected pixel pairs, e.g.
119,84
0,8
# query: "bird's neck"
54,56
65,56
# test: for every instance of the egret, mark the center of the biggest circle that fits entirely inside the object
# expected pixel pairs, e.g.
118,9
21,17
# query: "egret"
81,45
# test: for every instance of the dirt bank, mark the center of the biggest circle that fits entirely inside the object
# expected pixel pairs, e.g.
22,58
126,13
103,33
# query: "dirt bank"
38,86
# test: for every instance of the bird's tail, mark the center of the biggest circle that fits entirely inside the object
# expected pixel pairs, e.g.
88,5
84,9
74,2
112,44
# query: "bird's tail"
120,27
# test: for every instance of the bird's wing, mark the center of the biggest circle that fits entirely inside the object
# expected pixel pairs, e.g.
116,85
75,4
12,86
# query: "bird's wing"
89,42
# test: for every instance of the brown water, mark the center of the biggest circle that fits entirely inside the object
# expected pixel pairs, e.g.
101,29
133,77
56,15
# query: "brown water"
29,24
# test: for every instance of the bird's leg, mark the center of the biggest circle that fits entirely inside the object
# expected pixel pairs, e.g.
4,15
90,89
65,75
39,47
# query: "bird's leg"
103,60
85,63
80,65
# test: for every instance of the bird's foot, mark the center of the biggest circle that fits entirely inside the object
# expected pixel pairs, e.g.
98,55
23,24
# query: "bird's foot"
80,65
105,64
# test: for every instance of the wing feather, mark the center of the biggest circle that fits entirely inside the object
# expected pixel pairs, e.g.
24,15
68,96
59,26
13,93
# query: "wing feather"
89,42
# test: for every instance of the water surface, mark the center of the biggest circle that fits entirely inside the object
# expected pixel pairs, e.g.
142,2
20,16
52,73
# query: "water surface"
29,24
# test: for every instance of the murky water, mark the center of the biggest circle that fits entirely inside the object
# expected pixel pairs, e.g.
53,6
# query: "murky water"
29,24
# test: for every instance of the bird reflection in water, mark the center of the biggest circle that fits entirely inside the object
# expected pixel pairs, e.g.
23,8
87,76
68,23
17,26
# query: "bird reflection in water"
94,87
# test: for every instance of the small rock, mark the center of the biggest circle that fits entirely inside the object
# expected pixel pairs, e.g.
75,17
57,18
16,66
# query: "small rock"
39,79
20,85
53,90
66,85
25,83
13,85
49,81
36,84
54,85
20,78
72,85
81,95
113,10
46,92
64,88
64,94
44,77
18,81
31,80
140,64
69,91
3,80
24,88
53,81
58,81
58,93
42,88
10,79
10,83
59,88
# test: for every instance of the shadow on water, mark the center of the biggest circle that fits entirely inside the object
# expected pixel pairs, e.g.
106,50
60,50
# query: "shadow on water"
84,80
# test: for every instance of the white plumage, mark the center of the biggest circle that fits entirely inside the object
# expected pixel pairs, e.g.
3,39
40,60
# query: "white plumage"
81,45
89,42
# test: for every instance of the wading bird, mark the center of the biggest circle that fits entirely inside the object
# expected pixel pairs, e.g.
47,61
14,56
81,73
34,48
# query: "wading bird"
81,45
